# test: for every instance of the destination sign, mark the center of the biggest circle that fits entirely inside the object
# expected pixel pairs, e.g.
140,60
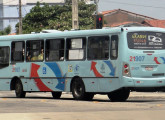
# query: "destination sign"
146,40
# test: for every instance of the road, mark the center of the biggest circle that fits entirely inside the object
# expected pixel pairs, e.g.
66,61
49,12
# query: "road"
41,106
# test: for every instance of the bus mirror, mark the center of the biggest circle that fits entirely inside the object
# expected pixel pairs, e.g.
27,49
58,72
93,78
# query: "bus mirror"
122,29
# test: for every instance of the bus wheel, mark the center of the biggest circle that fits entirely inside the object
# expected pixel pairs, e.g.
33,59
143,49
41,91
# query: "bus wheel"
19,90
78,89
119,95
56,95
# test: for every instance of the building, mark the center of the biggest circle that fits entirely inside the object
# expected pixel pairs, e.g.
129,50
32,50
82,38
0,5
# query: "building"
9,10
119,17
154,23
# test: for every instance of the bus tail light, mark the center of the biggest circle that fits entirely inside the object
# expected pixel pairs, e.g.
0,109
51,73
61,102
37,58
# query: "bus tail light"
125,66
126,70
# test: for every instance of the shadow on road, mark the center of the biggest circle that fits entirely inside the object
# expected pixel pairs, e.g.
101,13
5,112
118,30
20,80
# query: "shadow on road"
94,100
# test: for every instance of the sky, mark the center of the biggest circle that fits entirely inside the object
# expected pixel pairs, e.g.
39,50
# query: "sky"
150,8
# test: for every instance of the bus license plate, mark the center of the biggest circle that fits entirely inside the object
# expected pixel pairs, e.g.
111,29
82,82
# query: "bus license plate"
149,68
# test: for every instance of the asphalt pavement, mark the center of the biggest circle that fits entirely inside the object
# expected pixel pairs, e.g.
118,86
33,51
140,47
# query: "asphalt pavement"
41,106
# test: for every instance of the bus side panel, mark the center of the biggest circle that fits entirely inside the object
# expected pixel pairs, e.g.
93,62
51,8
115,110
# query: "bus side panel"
98,75
5,84
109,84
25,84
32,85
102,85
91,84
5,79
41,84
67,84
46,77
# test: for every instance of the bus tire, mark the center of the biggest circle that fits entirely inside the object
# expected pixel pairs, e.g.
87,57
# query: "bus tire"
56,95
119,95
78,90
19,90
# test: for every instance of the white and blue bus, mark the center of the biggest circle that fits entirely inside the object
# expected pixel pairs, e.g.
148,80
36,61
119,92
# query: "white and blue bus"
111,61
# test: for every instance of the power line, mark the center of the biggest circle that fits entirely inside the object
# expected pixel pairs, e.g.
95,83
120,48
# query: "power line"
109,1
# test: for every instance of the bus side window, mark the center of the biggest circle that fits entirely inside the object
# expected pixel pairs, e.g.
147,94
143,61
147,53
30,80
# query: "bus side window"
75,48
114,47
55,50
35,50
17,51
4,56
98,48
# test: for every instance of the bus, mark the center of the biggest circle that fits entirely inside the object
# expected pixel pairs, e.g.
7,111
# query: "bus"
114,61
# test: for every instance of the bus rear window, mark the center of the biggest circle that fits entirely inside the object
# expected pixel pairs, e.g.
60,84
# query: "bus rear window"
146,40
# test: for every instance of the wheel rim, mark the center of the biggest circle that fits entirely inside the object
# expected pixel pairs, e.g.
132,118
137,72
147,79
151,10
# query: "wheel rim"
78,89
18,88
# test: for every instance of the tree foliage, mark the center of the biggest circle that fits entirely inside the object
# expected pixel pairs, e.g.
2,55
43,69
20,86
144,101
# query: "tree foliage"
58,17
6,31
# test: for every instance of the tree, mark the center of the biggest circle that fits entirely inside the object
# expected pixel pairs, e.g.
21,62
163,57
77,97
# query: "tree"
57,17
6,31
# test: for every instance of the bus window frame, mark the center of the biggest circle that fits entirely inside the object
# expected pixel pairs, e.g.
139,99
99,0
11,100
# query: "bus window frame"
46,49
84,48
23,52
40,51
7,64
107,49
116,46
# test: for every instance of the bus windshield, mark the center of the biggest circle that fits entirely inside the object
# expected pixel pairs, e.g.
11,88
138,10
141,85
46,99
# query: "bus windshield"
146,40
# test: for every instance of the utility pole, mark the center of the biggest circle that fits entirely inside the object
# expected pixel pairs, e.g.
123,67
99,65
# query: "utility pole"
75,23
99,21
20,17
96,2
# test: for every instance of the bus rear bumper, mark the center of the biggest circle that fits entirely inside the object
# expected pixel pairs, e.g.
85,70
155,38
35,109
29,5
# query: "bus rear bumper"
144,82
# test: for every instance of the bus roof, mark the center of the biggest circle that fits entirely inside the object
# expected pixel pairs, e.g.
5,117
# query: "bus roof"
77,33
154,29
